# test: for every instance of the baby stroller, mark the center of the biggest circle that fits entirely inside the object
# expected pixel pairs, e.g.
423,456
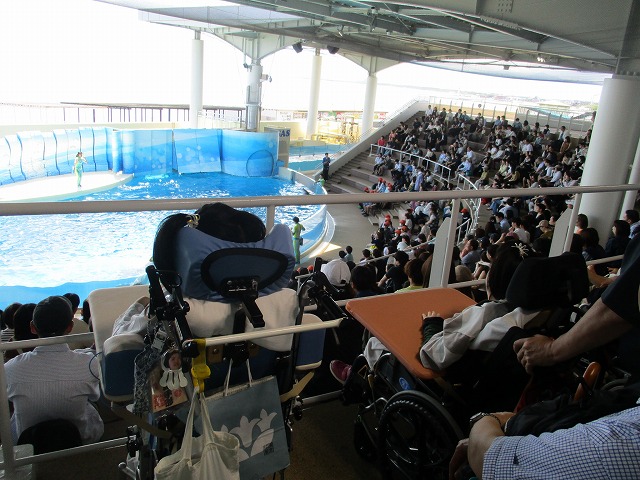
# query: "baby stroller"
202,286
410,418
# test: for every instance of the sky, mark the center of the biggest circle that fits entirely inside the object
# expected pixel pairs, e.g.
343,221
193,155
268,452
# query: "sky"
87,51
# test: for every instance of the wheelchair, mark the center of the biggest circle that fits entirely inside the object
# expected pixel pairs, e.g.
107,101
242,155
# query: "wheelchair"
410,418
218,287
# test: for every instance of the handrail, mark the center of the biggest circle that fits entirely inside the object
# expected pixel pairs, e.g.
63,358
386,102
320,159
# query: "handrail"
60,208
47,208
436,167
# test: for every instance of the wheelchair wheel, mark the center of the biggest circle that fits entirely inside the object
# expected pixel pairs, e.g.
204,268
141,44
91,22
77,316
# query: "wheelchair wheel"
416,437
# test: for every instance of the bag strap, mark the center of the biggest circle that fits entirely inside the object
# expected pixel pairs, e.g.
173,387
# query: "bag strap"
187,440
207,427
228,377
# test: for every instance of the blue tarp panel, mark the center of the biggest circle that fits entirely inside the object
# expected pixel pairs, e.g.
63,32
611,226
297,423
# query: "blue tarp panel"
15,158
86,147
74,146
249,154
32,155
50,153
197,150
112,151
64,158
5,156
146,151
100,149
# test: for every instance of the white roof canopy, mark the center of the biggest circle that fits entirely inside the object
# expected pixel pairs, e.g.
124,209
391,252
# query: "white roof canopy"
557,40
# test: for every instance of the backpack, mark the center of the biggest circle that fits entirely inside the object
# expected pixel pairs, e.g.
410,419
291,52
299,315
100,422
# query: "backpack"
561,412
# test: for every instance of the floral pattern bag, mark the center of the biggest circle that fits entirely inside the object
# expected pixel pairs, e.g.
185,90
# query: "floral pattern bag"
253,413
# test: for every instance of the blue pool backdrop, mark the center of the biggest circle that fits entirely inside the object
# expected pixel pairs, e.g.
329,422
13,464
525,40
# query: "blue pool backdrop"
30,155
145,153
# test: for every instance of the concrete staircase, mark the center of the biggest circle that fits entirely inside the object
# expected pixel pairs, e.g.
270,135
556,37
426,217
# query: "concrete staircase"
355,177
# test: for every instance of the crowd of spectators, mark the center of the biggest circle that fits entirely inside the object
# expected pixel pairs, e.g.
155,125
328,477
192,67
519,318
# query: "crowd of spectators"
521,155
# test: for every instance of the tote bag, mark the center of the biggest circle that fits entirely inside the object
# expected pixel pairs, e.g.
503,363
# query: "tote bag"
212,455
252,412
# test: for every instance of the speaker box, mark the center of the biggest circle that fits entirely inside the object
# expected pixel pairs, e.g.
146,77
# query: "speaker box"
297,47
332,50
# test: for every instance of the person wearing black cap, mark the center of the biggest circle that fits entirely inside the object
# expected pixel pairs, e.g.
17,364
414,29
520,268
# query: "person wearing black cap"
52,381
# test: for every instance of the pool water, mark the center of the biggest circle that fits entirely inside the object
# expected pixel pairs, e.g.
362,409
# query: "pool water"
51,250
314,150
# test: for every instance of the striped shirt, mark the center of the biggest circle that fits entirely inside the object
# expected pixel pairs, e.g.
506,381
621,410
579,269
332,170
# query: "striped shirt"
54,382
607,448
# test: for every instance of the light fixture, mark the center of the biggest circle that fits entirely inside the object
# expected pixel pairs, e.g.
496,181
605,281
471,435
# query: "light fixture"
541,59
297,47
340,29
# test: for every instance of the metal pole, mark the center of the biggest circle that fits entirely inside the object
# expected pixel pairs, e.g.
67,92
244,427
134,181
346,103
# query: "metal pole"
455,208
572,222
271,217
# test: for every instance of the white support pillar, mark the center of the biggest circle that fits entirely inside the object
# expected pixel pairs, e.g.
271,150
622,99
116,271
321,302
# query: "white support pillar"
630,197
611,151
369,104
254,95
314,94
195,107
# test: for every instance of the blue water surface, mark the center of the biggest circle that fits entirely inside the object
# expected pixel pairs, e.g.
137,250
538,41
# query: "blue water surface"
89,250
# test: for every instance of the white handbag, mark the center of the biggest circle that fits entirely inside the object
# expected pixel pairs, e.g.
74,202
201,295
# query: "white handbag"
212,455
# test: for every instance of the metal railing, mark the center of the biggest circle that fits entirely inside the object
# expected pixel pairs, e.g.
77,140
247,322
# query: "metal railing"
442,258
443,175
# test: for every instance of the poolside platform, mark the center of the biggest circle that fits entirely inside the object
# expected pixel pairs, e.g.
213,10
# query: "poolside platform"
61,187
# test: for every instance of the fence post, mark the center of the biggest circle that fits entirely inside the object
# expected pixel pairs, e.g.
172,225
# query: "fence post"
451,235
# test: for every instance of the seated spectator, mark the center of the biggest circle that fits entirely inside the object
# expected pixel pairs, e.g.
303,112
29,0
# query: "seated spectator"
592,250
52,381
22,329
503,224
607,447
366,256
463,274
479,327
632,217
518,231
617,242
413,271
471,254
582,222
7,318
363,281
349,254
395,277
78,325
546,230
337,272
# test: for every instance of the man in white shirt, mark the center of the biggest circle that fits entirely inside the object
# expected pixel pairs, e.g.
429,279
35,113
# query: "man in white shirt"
556,177
337,272
52,381
526,147
562,133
